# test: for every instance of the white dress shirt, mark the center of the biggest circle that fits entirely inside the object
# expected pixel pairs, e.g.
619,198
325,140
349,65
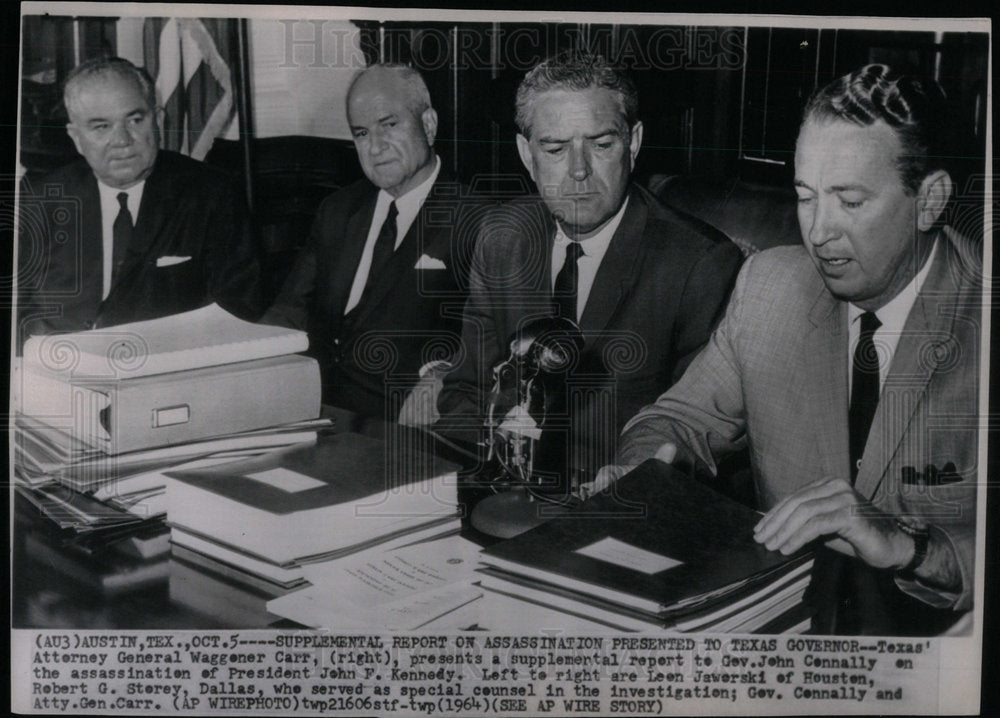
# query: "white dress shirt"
594,248
109,213
407,208
893,318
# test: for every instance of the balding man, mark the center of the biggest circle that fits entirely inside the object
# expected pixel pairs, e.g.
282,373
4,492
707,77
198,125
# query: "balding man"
379,285
128,232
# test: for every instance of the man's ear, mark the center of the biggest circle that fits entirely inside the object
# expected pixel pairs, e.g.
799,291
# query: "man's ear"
74,134
524,149
635,142
932,197
429,118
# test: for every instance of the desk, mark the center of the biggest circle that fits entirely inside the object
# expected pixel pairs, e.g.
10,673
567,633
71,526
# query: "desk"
184,597
181,598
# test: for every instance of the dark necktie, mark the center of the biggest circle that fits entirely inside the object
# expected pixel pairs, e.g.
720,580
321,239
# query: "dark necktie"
852,597
564,290
385,245
864,390
862,595
121,237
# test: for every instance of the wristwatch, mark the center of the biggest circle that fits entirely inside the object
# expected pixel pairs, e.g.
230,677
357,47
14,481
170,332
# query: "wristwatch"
921,537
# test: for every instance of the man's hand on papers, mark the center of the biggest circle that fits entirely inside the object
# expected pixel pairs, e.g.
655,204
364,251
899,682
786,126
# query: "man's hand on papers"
834,508
609,474
606,476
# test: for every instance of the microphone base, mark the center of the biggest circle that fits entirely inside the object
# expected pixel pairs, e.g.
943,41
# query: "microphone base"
511,513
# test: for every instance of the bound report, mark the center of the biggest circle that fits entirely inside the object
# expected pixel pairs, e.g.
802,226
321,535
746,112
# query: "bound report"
140,412
204,337
165,381
660,544
289,505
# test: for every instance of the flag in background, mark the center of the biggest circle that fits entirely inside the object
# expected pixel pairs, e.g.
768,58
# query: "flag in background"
190,61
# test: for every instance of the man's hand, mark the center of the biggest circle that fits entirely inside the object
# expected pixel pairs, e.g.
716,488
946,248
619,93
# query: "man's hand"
606,476
609,474
833,507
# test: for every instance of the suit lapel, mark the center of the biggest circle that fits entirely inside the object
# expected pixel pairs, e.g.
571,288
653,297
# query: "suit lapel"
548,241
617,270
349,252
824,349
922,344
92,251
392,275
540,277
159,196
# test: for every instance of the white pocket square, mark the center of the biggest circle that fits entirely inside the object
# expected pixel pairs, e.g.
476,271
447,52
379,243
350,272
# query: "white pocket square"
170,261
428,262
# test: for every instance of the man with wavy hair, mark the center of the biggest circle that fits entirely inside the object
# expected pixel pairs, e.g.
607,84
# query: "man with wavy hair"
849,367
644,283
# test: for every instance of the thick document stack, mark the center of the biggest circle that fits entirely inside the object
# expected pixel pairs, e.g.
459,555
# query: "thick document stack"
167,381
660,551
101,415
270,515
81,486
44,454
105,412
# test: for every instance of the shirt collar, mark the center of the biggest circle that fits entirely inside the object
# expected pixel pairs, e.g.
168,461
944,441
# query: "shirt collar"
409,204
109,195
893,315
597,245
132,191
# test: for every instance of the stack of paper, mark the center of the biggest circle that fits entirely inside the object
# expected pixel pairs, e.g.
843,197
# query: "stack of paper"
53,467
105,411
101,415
167,381
272,515
660,550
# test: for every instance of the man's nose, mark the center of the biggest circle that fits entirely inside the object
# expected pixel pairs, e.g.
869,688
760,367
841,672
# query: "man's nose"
821,224
579,164
120,135
378,143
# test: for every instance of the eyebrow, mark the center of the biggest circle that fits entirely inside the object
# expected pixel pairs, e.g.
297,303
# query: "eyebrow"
384,118
837,188
131,113
595,136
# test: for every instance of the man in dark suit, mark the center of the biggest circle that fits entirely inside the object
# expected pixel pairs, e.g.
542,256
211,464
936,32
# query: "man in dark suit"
379,285
128,232
644,283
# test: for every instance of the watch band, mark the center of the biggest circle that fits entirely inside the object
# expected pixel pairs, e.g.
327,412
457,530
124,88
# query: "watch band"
921,537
